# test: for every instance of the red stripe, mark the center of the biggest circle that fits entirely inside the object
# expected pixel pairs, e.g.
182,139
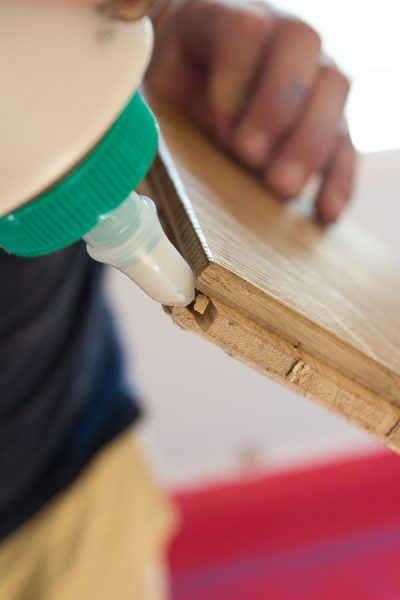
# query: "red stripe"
289,513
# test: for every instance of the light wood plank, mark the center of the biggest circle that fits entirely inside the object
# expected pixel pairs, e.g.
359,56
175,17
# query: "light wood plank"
331,295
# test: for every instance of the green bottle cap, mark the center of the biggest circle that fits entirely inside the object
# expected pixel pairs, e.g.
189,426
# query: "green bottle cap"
101,182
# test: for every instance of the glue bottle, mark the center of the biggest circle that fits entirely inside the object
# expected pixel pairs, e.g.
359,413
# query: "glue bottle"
76,139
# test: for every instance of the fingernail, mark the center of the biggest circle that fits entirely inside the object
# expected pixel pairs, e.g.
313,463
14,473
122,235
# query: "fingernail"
288,178
252,147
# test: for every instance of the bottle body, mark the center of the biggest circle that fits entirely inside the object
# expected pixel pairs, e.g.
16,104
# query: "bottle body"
76,140
66,73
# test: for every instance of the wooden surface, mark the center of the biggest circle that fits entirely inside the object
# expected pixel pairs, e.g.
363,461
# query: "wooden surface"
315,307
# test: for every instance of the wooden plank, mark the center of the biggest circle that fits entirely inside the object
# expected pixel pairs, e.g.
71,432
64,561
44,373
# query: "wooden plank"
276,358
330,295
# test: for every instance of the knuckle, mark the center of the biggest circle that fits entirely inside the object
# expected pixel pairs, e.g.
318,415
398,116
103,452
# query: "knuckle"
337,78
251,25
302,30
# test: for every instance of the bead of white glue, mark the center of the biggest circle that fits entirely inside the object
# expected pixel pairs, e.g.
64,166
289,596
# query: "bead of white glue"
131,239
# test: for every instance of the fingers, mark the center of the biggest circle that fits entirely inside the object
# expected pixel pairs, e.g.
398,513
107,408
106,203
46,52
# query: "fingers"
254,79
307,147
178,79
337,185
282,90
230,44
235,62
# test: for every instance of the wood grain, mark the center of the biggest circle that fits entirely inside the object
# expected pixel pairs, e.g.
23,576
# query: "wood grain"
330,295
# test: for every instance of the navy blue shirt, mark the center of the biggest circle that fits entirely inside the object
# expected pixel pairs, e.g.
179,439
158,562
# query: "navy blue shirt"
62,392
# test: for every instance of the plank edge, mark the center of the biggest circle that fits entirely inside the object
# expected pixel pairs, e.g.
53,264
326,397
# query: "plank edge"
282,361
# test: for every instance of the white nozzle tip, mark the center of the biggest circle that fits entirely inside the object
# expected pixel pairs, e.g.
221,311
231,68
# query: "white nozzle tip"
164,275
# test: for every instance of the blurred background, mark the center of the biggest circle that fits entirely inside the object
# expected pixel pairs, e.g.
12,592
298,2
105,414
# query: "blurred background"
210,417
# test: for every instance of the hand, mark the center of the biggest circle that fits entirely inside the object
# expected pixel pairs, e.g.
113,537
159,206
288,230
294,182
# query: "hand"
257,81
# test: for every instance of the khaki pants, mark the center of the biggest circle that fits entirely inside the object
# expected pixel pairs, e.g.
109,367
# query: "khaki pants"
101,539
